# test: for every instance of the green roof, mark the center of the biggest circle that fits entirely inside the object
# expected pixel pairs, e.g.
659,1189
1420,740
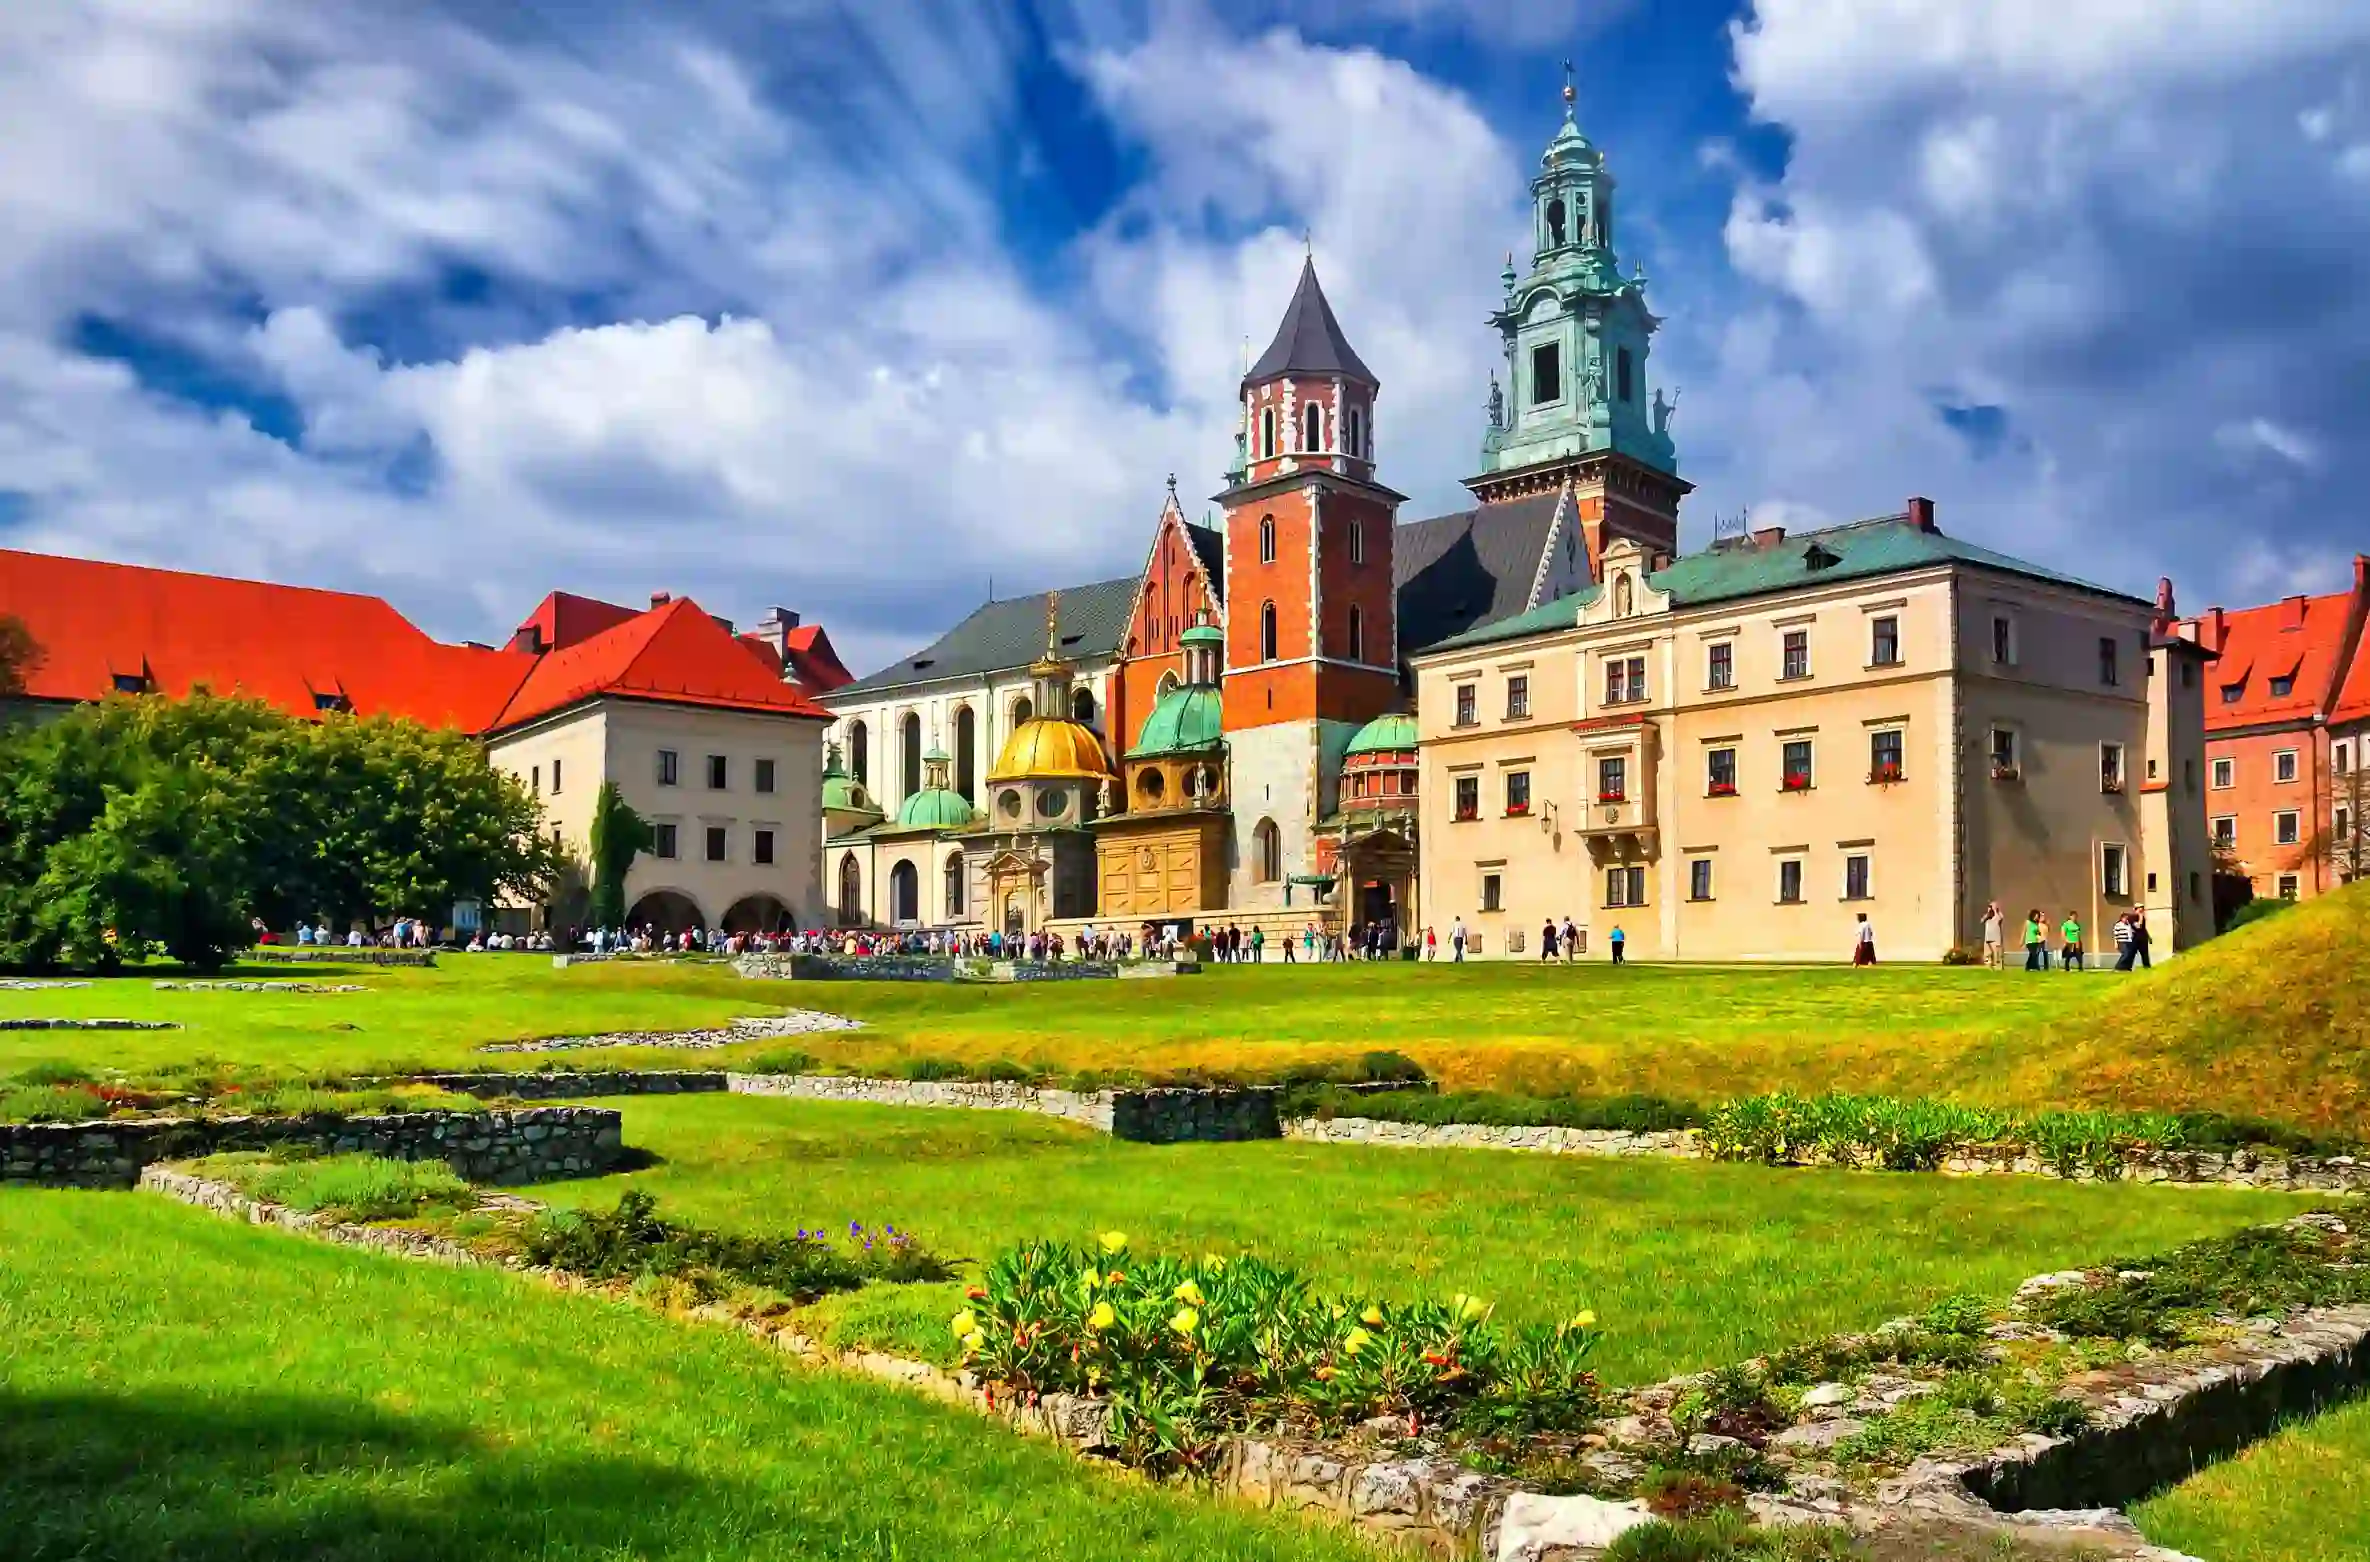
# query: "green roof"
1006,634
1385,734
1857,551
1185,720
1203,634
936,808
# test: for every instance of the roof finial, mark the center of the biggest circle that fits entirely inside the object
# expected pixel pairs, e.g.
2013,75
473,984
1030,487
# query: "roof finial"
1172,490
1308,243
1053,624
1571,95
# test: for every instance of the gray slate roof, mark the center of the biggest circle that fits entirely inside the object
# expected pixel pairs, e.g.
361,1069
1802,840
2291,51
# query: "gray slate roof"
1458,571
1209,545
1009,633
1310,340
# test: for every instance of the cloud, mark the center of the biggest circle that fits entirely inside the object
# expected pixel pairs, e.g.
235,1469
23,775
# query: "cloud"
2261,435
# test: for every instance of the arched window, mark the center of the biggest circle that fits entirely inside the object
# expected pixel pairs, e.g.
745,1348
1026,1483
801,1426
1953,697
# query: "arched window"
1555,223
859,752
1267,539
1356,443
1267,433
1357,633
1168,681
1623,600
851,890
905,893
1022,711
1267,631
1357,541
1267,851
1312,427
1625,380
967,753
954,885
1082,706
909,757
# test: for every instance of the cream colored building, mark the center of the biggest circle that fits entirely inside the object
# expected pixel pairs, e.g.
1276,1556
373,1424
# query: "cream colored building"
1736,754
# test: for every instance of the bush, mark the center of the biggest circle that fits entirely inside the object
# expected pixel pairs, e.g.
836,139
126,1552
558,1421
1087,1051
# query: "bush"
55,1071
786,1060
1730,1535
633,1241
1632,1114
1186,1351
362,1187
1960,954
51,1104
2270,1270
2254,911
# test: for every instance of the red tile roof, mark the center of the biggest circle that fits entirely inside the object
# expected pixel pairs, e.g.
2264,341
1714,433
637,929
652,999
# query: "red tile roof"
102,627
2300,640
2353,699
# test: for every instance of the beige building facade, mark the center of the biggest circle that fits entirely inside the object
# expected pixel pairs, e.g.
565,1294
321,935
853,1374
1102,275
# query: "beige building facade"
1738,754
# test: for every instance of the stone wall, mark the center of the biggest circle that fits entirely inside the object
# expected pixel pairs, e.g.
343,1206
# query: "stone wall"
1158,1116
334,955
39,1024
1049,971
1094,1109
1490,1136
528,1145
846,968
558,1086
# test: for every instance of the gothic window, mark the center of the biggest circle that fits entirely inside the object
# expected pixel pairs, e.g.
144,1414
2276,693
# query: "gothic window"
851,890
1547,374
1312,427
954,885
1022,711
1357,634
1267,851
1267,539
967,754
1267,631
1267,433
1623,378
1357,542
909,746
1082,707
1555,223
859,752
1356,444
1168,681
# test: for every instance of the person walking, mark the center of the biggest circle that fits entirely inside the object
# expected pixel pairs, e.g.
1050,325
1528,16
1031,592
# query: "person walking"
1995,936
1258,945
2036,941
1456,939
2123,942
2070,930
1571,940
2140,940
1547,942
1619,940
1864,942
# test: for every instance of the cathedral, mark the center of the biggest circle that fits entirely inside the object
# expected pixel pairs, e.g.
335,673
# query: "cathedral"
1228,735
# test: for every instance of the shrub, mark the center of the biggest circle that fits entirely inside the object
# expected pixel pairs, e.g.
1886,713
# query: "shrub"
923,1070
1729,1535
1960,954
633,1240
2265,1270
55,1071
51,1104
1630,1114
362,1187
2257,910
784,1060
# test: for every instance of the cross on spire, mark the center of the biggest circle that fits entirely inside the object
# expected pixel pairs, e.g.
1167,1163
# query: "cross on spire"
1571,93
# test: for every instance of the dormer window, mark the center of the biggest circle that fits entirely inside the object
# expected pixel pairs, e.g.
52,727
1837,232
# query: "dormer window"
1816,557
330,699
131,683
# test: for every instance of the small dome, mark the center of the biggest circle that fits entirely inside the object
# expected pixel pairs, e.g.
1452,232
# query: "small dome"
1203,634
843,793
1185,720
936,808
1051,748
1394,733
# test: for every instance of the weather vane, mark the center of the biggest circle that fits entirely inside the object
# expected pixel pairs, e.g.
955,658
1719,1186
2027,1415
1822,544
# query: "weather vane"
1571,94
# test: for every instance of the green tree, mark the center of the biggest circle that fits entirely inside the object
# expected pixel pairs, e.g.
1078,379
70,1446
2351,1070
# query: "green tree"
618,835
159,871
19,655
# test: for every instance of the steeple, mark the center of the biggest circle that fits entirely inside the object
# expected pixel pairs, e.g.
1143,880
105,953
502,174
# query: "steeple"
1308,403
1310,340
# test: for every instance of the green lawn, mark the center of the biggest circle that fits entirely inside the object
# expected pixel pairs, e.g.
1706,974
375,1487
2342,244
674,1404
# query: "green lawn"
177,1388
2301,1496
1689,1264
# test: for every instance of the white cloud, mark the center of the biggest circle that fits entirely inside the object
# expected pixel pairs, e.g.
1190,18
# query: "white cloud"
2261,434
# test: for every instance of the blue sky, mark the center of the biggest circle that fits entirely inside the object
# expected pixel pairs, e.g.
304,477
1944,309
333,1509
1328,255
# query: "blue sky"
854,308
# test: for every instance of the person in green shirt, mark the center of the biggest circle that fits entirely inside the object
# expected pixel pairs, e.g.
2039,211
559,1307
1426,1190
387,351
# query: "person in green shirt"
2036,941
2071,931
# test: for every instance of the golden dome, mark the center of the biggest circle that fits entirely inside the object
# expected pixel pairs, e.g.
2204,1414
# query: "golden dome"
1049,748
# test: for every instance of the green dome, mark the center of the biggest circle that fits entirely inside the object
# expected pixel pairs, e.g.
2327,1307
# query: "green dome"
843,793
1203,634
1394,733
1184,721
936,808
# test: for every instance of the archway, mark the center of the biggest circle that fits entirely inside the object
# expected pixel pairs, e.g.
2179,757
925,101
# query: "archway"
851,890
905,893
665,911
759,913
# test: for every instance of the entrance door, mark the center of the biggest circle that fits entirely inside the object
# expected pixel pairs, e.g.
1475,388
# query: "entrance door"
1376,904
1014,924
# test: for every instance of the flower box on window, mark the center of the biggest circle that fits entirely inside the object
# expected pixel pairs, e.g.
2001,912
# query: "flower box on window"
2004,772
1884,775
1797,783
1467,814
1614,796
1721,789
2111,784
1517,810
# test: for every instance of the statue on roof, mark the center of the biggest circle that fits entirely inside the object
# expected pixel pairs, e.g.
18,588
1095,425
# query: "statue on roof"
1497,402
1663,410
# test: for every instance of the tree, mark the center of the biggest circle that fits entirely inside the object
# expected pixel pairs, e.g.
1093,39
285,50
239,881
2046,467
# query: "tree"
2337,841
19,655
618,835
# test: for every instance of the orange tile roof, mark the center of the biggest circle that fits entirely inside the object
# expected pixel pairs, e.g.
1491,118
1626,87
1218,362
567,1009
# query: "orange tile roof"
563,618
2300,639
675,653
2353,699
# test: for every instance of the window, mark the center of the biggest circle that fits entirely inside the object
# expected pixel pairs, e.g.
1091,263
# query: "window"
555,776
2225,830
2110,767
851,889
662,841
669,767
1790,882
535,779
1312,427
1855,876
1720,772
1518,697
718,772
1467,702
1624,375
1547,374
765,776
2003,640
1267,539
1612,780
2283,765
2283,686
1357,631
1625,886
1267,433
1796,656
1357,542
1555,224
2110,663
2004,765
1794,768
761,848
2289,886
1267,631
1625,680
2232,693
1721,672
2342,825
1468,797
2341,758
131,683
954,885
2188,674
1884,642
1518,792
715,843
2225,774
2114,872
2284,828
1699,879
2196,881
1268,851
2189,776
1491,894
1357,432
1082,707
1884,756
859,752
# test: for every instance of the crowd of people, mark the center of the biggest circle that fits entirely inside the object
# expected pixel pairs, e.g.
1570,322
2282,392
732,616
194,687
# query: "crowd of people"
2133,942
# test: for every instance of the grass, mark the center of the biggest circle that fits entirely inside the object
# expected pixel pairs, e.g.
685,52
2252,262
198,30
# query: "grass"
176,1386
344,1187
2302,1495
1688,1264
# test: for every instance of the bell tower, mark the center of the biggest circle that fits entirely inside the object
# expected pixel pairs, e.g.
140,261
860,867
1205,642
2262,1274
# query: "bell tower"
1312,641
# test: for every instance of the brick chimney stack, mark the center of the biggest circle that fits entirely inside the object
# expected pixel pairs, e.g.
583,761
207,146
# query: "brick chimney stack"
660,599
1921,513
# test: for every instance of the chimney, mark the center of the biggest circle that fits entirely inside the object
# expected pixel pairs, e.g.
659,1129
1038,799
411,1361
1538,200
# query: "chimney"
661,598
1769,536
2213,629
1921,514
528,639
2362,574
778,618
2165,613
2293,617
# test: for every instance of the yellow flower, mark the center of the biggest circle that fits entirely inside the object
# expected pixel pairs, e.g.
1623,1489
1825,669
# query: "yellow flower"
974,1340
1115,1242
1102,1317
1372,1317
1471,1309
1355,1341
1188,1293
1185,1320
1212,1262
965,1323
1584,1319
1090,1278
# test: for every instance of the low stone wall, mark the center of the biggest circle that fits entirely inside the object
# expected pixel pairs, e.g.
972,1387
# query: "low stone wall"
37,1024
567,1086
528,1145
260,987
333,955
846,968
2232,1168
1151,970
1490,1136
1161,1116
1092,1109
223,1199
1050,971
763,1027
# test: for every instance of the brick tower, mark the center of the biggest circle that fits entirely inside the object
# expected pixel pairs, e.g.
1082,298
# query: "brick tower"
1312,641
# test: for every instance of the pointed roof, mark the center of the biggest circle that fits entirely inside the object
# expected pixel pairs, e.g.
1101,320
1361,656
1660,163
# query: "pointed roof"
675,653
1310,340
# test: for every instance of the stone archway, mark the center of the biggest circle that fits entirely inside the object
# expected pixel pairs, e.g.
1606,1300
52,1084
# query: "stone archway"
760,913
905,893
667,911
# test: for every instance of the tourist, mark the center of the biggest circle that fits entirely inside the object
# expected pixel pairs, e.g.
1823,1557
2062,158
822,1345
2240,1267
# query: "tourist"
2140,941
1547,941
1571,940
2123,942
1456,939
2036,941
2071,931
1619,940
1995,934
1864,942
1431,943
1259,944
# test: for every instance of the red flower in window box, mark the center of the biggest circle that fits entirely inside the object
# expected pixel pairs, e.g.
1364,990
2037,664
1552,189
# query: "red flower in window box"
1612,797
1799,782
1884,775
2001,771
1468,813
1721,789
1517,810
